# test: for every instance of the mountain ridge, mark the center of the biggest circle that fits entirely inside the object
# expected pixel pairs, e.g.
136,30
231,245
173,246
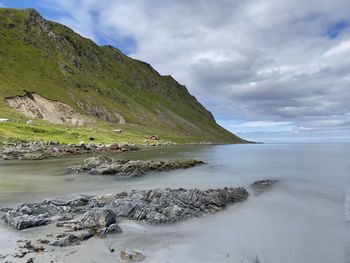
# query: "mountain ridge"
100,82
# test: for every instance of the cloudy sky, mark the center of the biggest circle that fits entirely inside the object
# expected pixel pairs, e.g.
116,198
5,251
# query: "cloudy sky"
269,70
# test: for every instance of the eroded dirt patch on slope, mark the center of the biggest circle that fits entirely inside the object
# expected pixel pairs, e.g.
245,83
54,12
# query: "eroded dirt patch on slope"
34,105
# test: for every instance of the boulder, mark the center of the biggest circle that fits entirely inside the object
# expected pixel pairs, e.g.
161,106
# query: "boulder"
22,221
132,256
97,218
89,164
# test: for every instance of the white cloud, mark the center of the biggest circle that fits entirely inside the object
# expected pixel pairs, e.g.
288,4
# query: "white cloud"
264,124
342,49
251,60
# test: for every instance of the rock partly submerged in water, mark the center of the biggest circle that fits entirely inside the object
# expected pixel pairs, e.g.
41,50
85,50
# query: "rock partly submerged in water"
72,239
88,216
155,206
29,215
103,165
263,185
170,205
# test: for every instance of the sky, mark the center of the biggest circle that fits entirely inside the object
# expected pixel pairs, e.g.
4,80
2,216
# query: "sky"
269,70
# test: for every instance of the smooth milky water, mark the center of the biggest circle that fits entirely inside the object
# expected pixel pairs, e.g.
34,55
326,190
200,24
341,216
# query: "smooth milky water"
301,219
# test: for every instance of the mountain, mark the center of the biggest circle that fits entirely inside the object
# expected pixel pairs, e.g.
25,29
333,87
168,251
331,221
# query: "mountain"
66,84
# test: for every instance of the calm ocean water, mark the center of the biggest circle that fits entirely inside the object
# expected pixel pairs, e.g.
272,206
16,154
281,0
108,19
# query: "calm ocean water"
301,219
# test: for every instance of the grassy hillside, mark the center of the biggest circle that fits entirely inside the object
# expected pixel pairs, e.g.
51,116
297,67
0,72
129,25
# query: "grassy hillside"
50,59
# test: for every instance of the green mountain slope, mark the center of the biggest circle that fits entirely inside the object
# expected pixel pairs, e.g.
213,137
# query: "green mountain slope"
51,60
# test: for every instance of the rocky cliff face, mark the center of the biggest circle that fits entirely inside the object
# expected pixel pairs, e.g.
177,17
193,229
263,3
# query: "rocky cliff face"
96,81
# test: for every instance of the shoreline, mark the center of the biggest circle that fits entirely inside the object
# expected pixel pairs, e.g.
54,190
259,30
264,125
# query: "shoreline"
39,150
33,151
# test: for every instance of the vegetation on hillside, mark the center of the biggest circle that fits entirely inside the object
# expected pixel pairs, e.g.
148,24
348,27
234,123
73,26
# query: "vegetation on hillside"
50,59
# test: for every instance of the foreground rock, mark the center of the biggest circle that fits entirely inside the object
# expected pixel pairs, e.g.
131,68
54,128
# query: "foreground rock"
40,150
84,217
72,240
103,165
100,212
29,215
97,218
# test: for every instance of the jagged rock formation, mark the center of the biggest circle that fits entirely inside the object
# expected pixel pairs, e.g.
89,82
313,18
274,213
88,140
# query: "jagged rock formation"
87,216
104,165
152,206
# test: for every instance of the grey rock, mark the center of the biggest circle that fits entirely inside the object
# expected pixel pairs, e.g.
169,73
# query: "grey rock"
262,185
71,240
156,206
29,215
97,218
171,205
132,256
65,217
89,164
106,166
22,221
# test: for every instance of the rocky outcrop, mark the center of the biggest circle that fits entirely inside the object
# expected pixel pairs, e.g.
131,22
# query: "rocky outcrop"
170,205
72,239
84,217
39,150
103,165
155,206
29,215
33,105
262,185
21,220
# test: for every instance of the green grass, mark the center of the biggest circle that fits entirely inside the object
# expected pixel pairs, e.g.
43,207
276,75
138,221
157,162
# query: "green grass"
74,70
23,132
45,132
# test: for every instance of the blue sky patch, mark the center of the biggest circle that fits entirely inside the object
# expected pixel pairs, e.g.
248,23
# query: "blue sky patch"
127,45
334,30
19,4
